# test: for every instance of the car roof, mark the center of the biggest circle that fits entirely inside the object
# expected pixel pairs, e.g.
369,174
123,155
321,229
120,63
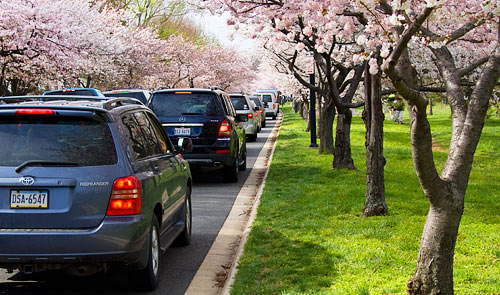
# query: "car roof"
95,91
69,102
126,90
189,89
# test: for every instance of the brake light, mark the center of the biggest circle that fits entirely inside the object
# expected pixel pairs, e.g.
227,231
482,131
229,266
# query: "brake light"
35,111
277,103
274,106
125,197
183,92
250,116
261,111
224,129
69,90
120,91
222,151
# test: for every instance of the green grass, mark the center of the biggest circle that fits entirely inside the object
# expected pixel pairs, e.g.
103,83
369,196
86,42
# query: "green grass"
309,236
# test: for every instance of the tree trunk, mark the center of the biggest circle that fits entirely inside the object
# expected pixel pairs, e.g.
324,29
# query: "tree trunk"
373,116
325,130
434,274
342,154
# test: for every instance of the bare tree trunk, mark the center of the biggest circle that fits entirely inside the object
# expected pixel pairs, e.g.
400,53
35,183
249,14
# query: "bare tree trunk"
373,116
434,274
326,129
342,157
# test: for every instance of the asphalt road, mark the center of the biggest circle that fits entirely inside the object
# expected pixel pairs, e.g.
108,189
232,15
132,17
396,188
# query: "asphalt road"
212,200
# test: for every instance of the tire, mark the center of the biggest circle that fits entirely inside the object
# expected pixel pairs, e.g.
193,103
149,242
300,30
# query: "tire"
264,124
252,137
184,238
230,173
147,279
274,117
243,166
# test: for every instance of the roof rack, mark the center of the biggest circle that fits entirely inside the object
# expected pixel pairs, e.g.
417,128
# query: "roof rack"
119,102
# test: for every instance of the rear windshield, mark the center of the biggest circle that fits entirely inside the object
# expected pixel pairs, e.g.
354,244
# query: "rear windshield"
256,100
239,103
75,92
267,98
192,104
83,141
137,95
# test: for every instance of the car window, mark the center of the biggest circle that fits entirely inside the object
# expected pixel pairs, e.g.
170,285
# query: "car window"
138,146
184,103
267,98
162,143
239,103
256,100
85,141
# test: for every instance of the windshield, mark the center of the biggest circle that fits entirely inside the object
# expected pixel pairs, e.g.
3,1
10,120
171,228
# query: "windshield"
239,103
185,104
256,100
84,141
137,95
267,98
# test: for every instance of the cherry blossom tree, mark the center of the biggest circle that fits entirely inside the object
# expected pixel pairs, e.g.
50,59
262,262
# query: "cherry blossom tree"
462,38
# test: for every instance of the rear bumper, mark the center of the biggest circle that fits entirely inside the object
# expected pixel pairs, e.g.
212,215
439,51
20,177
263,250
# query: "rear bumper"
116,239
208,160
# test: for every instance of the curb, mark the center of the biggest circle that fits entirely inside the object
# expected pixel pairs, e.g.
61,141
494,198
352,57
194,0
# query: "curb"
217,271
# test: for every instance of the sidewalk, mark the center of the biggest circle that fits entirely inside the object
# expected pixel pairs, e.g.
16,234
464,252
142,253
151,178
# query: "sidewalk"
217,271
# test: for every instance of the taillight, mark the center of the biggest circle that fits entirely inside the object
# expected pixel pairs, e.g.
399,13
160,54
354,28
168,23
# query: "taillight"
261,111
224,129
125,197
250,116
274,106
69,90
34,111
183,92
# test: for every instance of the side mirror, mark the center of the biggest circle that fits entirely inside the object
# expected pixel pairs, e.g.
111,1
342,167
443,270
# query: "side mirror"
185,144
242,118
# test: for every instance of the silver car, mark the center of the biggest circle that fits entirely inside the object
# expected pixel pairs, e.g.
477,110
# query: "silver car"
244,106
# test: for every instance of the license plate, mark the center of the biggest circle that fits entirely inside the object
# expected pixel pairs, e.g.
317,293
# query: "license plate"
29,199
182,131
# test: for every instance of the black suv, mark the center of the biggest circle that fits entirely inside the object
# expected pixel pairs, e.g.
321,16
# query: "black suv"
86,184
208,117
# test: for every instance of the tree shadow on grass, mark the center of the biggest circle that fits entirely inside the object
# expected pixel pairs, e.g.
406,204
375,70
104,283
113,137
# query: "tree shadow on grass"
281,262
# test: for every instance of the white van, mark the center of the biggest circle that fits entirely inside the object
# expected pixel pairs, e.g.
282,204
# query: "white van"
270,103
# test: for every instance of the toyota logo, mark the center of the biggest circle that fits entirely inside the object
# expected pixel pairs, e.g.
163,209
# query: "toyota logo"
182,119
27,180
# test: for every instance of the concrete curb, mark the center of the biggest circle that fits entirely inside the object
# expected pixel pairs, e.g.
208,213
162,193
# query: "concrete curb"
217,271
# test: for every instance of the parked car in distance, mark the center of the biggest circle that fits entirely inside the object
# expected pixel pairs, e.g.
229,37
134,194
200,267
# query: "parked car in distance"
75,91
257,99
244,106
88,184
208,117
139,94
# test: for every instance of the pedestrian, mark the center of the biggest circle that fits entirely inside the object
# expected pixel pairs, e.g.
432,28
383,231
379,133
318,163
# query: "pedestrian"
398,108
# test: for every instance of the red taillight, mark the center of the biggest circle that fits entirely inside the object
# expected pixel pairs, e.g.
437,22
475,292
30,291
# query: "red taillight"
250,116
69,90
278,103
274,106
34,111
125,197
183,92
120,91
222,151
261,111
224,129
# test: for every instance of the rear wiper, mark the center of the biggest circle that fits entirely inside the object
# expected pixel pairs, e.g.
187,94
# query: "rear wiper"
42,163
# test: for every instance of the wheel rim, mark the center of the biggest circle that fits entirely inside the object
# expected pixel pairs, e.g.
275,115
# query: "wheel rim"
155,253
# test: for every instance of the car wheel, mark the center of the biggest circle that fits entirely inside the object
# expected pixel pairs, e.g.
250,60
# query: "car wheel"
230,173
185,237
252,137
147,279
243,166
264,124
274,117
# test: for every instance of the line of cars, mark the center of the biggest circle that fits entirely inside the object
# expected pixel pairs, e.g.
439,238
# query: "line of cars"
92,180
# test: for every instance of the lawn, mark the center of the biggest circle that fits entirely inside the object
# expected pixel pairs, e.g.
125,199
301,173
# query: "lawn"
309,236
